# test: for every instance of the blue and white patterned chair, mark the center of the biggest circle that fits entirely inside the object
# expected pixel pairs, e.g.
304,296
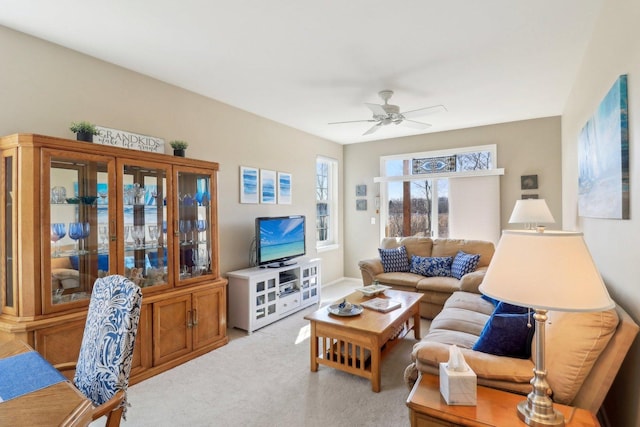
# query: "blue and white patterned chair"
104,364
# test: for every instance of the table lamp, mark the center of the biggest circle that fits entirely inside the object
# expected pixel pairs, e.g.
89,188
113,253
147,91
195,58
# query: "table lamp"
550,270
531,212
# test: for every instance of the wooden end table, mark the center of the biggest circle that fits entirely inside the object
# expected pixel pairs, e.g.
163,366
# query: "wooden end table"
357,344
494,408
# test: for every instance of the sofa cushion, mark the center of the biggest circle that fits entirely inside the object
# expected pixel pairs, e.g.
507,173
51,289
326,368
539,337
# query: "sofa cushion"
487,366
431,266
573,343
398,278
394,259
438,284
464,263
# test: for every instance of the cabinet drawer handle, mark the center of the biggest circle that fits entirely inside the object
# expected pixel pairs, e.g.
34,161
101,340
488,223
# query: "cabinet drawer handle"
195,317
189,319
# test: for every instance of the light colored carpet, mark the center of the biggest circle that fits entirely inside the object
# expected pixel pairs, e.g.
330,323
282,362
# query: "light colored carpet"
264,379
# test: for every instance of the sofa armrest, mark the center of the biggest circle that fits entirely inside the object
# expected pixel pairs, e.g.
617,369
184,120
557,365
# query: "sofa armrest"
370,268
471,281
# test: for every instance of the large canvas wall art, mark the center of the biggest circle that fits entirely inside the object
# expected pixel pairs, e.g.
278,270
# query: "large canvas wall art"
603,158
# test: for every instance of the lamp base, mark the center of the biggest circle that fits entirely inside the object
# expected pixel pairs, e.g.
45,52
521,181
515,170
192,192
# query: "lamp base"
540,417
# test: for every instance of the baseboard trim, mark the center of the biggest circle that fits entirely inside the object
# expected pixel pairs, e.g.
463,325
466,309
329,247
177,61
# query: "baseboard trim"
340,280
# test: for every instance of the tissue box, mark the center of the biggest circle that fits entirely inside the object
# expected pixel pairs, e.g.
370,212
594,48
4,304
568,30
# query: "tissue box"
458,388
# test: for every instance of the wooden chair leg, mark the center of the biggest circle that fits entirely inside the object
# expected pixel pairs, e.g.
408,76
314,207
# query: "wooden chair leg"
113,419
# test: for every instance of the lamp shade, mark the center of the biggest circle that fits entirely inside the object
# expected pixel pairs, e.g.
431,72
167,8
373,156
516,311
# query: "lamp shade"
551,271
531,211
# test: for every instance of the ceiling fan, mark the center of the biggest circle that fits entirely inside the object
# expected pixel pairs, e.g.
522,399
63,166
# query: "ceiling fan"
386,114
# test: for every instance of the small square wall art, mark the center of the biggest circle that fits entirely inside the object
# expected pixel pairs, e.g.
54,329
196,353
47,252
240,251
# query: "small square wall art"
248,185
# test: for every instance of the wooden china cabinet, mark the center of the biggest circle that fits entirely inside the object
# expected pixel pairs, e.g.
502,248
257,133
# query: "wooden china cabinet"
72,211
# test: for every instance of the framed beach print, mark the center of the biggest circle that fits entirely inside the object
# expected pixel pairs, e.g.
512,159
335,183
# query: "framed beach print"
248,185
284,188
603,158
267,186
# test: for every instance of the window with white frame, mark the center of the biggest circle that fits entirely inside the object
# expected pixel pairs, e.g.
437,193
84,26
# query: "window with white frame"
418,192
326,202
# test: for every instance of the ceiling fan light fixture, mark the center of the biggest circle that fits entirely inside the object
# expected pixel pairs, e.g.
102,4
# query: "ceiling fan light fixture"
385,114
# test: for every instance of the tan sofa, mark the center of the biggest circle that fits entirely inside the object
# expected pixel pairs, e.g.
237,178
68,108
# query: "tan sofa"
583,351
436,290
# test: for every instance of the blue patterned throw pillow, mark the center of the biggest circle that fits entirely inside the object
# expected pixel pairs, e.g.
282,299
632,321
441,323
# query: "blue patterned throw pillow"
431,266
394,259
464,263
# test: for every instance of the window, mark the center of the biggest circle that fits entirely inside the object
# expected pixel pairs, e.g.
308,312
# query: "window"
417,191
326,202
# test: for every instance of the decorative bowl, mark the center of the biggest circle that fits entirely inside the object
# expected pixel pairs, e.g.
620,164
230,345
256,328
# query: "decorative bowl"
88,200
372,290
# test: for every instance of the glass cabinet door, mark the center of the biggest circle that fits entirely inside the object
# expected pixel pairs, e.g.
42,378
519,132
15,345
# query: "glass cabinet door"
144,224
194,224
78,233
7,282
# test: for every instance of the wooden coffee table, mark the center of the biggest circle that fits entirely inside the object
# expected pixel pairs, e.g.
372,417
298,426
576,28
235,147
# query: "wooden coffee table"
357,344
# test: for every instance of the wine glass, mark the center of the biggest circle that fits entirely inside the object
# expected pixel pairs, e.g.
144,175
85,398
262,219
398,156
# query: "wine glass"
201,225
127,234
86,229
164,233
58,231
185,227
103,234
154,234
75,232
103,196
138,235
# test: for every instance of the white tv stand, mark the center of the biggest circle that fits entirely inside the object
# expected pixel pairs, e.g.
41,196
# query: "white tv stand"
260,296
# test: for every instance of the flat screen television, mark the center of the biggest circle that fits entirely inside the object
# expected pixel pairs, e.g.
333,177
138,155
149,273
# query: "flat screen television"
279,240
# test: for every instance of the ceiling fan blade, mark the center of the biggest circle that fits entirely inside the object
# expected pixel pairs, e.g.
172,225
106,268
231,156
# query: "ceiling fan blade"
373,128
414,124
424,111
376,109
352,121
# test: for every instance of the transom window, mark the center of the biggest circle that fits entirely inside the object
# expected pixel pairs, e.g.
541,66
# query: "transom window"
416,191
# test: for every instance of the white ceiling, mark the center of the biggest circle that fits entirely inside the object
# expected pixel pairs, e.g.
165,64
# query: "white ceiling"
306,63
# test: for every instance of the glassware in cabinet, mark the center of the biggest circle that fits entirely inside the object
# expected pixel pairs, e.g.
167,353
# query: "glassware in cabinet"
144,219
70,235
194,224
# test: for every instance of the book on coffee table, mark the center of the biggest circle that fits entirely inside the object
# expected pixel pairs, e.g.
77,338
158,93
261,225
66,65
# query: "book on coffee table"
381,304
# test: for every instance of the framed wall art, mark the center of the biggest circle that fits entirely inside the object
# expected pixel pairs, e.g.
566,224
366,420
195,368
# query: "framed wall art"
284,188
267,186
529,182
603,158
248,185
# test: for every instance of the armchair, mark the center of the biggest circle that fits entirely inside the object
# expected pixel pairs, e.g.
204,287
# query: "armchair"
104,363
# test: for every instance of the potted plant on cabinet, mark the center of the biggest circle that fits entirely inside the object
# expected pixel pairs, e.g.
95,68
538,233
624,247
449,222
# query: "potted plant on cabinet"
84,131
179,147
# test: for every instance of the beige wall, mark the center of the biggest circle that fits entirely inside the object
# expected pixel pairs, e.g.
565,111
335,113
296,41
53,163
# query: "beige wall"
530,147
45,87
614,50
